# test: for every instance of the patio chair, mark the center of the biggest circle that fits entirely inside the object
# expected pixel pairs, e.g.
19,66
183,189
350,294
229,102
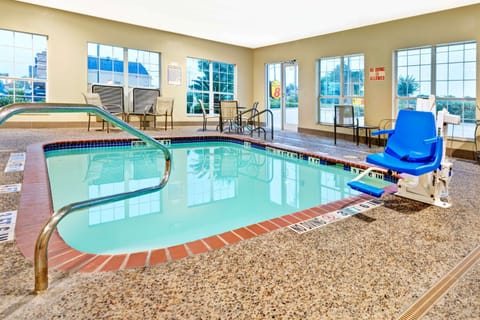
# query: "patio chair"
249,119
229,115
163,108
143,100
94,99
207,116
345,117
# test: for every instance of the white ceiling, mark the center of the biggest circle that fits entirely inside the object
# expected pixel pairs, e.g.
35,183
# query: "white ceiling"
252,23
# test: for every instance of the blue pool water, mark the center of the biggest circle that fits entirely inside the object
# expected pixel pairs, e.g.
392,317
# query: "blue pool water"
214,187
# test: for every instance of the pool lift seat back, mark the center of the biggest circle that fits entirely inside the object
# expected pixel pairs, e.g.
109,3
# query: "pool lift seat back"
415,151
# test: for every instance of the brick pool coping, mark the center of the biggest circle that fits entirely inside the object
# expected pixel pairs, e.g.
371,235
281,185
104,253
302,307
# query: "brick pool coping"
35,208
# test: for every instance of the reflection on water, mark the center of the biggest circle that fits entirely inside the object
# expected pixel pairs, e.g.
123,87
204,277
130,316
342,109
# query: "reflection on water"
214,187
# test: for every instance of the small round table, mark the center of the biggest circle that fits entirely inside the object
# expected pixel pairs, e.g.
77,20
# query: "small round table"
368,134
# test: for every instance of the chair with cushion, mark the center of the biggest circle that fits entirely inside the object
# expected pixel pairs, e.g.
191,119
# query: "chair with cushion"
207,116
94,99
249,118
229,115
163,108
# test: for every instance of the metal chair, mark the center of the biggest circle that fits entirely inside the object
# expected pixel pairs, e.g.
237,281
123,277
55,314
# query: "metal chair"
163,108
344,117
249,119
207,116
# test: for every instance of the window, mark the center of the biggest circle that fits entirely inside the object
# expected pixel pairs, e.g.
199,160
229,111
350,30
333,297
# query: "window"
447,71
341,82
121,66
209,81
23,67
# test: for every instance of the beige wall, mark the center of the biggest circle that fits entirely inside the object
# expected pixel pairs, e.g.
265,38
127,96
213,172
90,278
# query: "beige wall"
68,35
377,43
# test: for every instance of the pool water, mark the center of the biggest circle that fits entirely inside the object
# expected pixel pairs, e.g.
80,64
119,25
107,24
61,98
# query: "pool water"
214,187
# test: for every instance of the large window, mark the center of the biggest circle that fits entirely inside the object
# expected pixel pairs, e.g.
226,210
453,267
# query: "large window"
23,67
122,66
209,81
341,81
447,71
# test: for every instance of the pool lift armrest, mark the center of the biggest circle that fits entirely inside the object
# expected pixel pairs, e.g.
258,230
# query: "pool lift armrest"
379,132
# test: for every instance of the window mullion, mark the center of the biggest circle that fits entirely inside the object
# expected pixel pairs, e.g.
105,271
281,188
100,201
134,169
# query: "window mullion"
342,98
125,69
433,82
211,94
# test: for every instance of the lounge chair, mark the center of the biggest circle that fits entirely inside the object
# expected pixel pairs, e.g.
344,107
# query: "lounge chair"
95,99
143,100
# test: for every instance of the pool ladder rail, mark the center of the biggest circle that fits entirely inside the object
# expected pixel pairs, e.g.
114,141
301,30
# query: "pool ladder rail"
41,245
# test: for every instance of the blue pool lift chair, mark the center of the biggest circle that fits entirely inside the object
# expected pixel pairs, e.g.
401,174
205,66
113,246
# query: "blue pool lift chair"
415,150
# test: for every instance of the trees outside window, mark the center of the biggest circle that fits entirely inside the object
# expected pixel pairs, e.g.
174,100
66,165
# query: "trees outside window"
447,71
341,81
210,81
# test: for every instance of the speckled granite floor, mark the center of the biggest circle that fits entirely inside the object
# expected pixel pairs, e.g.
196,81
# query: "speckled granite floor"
371,266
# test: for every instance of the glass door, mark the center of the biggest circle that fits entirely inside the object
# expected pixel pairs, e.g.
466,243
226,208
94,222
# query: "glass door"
282,97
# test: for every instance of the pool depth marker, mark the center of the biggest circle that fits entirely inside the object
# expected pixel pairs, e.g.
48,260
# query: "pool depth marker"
8,220
326,218
16,162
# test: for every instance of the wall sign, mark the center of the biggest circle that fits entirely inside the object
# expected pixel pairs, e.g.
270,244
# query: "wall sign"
275,89
174,75
377,73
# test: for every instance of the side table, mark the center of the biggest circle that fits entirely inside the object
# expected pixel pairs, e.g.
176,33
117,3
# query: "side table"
368,134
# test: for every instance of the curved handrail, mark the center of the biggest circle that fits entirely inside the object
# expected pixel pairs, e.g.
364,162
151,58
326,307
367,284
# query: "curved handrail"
257,115
41,245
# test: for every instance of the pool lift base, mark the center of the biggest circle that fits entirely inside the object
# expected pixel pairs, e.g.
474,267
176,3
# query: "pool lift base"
430,188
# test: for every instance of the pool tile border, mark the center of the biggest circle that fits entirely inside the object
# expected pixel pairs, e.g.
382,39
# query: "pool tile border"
35,207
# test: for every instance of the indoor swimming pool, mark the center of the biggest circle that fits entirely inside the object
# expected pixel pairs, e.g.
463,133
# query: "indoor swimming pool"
215,186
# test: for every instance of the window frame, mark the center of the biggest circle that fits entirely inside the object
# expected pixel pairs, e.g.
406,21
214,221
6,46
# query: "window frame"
126,79
210,96
35,84
325,111
467,103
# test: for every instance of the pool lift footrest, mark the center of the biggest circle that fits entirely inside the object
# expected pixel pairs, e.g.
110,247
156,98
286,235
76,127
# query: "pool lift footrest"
356,184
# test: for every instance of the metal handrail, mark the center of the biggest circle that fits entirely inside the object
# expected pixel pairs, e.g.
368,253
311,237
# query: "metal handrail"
41,245
257,115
